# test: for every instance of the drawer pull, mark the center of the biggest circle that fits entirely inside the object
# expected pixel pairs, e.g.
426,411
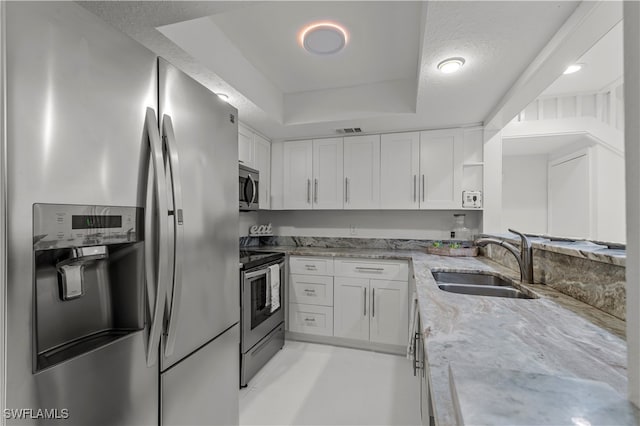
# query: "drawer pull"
310,319
310,266
363,268
308,290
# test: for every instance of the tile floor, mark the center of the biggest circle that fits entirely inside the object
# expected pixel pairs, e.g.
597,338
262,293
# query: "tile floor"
311,384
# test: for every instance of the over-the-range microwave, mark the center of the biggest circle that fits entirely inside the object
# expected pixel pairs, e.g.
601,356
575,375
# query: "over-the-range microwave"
249,195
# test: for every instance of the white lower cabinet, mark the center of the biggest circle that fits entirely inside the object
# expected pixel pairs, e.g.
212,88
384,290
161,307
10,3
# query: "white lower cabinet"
351,317
311,319
358,299
372,310
389,312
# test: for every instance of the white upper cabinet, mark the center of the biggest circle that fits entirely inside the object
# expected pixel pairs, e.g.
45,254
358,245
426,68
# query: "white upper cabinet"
441,158
328,182
298,175
400,171
246,153
362,172
262,155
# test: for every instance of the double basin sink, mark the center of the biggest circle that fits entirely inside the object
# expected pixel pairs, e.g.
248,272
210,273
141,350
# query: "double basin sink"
480,284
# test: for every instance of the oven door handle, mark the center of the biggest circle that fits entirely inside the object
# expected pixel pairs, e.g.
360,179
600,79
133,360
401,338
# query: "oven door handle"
254,274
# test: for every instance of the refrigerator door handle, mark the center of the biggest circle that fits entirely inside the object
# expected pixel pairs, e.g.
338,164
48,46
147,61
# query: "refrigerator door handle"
178,253
159,279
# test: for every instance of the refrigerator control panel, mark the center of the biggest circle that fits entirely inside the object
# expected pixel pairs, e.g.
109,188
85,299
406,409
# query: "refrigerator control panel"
64,225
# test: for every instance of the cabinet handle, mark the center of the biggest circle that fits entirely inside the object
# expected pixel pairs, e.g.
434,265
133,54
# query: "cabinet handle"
423,188
414,188
415,350
364,268
314,320
309,290
310,266
373,303
365,302
315,191
346,189
308,191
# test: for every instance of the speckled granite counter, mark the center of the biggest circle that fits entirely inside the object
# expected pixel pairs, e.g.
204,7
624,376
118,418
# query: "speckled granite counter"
552,335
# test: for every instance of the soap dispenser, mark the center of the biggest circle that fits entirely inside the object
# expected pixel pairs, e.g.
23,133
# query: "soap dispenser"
460,230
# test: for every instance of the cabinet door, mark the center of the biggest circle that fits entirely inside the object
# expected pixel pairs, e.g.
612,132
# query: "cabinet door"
399,170
297,175
245,146
263,164
389,312
362,172
328,184
351,308
441,156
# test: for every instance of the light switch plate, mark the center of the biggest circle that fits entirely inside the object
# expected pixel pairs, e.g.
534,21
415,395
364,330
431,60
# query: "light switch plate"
472,199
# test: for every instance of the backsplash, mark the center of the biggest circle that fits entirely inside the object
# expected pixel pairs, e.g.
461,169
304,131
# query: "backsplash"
599,282
337,242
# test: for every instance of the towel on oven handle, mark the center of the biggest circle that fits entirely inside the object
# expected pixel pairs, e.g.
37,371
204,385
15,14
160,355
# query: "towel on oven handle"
274,285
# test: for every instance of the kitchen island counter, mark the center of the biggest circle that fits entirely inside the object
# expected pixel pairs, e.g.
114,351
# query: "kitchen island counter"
552,335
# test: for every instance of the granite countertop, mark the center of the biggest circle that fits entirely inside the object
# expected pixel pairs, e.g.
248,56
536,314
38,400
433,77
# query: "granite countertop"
553,335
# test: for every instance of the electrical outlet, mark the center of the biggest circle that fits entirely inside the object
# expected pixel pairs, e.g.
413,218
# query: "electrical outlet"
352,230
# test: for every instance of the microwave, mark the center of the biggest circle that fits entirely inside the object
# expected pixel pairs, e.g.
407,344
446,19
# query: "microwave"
249,195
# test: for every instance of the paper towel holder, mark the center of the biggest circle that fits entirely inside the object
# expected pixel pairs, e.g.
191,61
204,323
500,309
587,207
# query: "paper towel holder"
71,270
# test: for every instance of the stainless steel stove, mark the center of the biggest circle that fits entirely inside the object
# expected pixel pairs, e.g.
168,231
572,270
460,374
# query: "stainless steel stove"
261,323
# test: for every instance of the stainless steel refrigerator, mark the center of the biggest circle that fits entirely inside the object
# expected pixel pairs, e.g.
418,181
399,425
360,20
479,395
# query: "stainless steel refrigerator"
122,250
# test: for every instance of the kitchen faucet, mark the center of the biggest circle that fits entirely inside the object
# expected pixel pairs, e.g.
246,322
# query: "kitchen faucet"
524,256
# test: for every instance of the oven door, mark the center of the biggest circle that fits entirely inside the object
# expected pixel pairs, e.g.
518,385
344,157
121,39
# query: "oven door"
257,318
248,190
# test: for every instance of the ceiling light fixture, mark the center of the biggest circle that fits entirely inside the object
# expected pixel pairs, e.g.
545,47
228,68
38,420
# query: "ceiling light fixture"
451,65
573,68
323,38
223,96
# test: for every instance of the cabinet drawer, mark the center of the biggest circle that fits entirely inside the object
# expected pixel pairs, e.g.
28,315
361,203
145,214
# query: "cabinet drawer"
397,270
311,289
311,265
311,319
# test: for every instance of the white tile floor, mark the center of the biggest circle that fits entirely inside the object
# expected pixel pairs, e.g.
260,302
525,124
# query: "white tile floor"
311,384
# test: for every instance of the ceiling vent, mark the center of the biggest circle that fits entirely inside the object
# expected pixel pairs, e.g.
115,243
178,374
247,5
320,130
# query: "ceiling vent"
348,130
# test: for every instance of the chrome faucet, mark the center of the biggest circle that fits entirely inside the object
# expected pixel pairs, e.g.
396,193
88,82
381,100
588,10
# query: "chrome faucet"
524,255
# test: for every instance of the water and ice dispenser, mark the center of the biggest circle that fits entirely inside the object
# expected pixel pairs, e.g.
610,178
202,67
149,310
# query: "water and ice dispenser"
89,279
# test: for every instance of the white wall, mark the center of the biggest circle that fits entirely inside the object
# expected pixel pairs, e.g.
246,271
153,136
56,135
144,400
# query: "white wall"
632,150
405,224
247,219
610,211
524,193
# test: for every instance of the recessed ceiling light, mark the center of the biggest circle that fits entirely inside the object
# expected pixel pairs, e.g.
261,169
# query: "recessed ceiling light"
324,38
223,96
451,65
573,68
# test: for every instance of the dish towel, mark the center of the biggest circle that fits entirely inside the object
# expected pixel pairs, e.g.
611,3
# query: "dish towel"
274,284
412,326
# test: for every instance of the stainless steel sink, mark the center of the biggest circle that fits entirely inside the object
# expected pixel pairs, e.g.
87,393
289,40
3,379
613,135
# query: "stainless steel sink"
479,284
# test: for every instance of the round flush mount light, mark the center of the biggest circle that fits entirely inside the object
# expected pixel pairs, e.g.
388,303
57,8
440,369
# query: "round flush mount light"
573,68
451,65
323,38
223,96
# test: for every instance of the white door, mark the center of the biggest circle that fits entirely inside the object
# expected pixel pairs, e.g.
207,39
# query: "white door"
263,164
351,308
569,198
399,170
389,312
245,146
362,172
328,184
441,157
297,175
